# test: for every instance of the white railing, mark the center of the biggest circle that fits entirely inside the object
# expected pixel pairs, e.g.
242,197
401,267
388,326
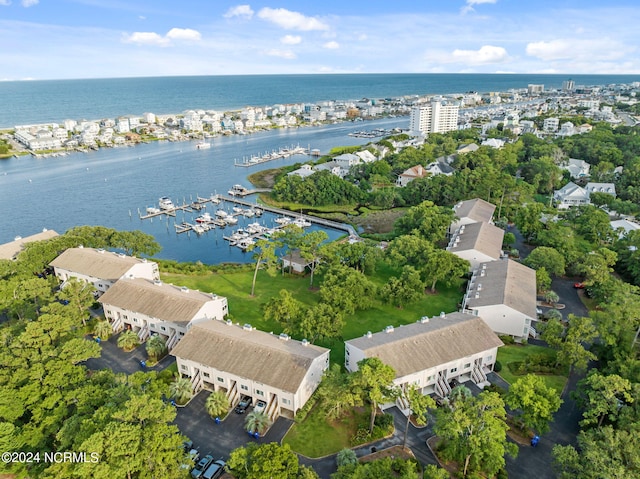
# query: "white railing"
196,382
143,334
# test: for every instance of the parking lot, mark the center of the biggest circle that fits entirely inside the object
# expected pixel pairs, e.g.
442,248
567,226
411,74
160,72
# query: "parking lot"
220,439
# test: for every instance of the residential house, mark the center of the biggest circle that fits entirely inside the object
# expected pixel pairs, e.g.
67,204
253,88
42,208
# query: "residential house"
431,353
577,168
477,243
333,167
278,370
468,148
440,168
472,211
11,250
503,293
366,156
493,143
303,171
101,268
295,262
411,174
570,195
152,307
622,227
551,124
608,188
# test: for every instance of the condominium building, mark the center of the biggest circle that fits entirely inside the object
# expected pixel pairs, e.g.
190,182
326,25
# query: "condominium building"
434,117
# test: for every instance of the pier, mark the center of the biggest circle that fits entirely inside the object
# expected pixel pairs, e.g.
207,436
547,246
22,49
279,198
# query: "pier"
242,238
274,155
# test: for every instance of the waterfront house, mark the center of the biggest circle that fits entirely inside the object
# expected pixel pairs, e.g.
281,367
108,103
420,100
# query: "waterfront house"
152,307
477,243
431,353
242,361
11,250
101,268
503,293
303,171
440,167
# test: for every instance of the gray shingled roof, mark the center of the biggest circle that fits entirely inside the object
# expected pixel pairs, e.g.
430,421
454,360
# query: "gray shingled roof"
505,282
476,209
12,249
157,300
483,237
253,355
419,346
95,263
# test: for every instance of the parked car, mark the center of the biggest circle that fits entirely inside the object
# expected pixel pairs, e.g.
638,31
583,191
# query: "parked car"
260,406
215,470
193,455
244,403
201,467
578,285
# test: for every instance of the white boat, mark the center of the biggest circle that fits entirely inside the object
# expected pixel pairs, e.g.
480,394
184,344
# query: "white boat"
237,209
215,199
153,211
165,203
283,220
204,218
198,229
230,220
246,242
203,145
222,214
301,222
249,213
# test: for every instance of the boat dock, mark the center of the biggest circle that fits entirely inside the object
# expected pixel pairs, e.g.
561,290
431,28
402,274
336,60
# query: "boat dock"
274,155
242,238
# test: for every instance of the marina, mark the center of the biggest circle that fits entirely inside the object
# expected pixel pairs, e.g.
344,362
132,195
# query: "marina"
230,209
271,156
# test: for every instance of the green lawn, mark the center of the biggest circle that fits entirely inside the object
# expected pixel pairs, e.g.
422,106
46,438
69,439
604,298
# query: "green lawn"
236,286
316,436
514,353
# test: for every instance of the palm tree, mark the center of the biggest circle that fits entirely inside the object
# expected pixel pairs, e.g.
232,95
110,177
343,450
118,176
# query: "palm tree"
551,297
180,389
102,330
128,340
156,347
256,421
217,404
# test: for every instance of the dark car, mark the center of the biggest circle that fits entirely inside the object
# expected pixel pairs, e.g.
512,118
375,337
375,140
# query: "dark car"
202,465
215,470
244,403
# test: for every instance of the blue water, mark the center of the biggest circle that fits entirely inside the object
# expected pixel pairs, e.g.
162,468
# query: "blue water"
107,187
28,102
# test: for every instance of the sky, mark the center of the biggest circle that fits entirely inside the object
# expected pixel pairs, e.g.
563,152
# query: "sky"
64,39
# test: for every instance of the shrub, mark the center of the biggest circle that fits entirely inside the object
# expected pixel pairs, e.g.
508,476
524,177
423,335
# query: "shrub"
506,339
497,367
345,457
361,436
384,422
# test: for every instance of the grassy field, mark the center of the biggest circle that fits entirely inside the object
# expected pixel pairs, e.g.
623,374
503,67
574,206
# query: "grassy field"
515,353
243,308
304,437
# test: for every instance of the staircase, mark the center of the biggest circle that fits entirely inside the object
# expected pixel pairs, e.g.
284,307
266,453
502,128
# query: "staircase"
272,408
442,386
143,334
233,396
478,375
533,333
173,340
403,404
117,325
196,382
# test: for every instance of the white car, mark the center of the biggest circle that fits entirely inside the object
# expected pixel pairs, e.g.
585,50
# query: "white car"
260,406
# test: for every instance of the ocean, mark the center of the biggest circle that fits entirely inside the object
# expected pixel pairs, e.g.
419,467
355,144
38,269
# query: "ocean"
110,186
29,102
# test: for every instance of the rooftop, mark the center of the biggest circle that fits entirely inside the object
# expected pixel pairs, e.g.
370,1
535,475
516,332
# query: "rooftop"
483,237
96,263
429,342
249,353
12,249
155,299
476,209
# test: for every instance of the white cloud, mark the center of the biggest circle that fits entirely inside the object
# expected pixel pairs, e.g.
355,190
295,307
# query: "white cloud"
286,54
331,45
146,38
184,34
470,3
486,54
5,3
291,39
29,3
291,20
153,38
239,11
585,50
